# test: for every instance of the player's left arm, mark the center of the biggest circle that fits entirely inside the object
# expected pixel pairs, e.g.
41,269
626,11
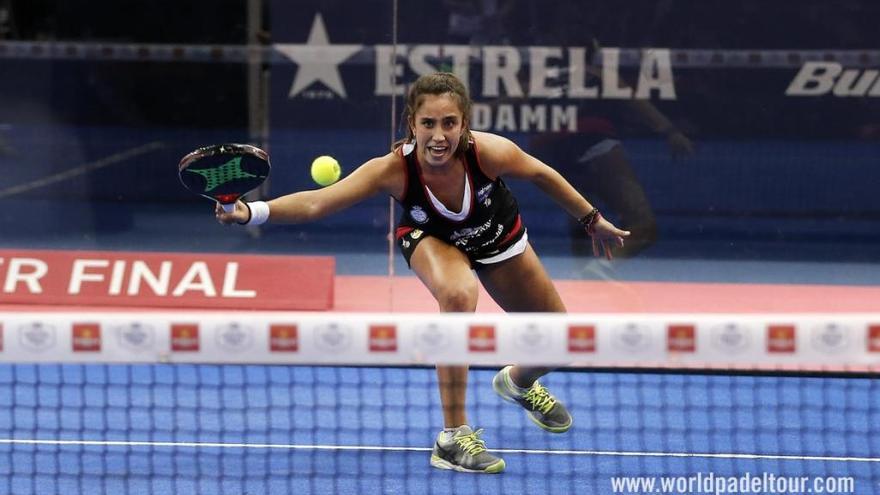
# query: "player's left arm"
501,157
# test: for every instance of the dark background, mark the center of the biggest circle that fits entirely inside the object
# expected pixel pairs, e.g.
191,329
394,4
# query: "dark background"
788,171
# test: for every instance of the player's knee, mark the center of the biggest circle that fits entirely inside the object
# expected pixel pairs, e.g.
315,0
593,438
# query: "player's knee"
460,298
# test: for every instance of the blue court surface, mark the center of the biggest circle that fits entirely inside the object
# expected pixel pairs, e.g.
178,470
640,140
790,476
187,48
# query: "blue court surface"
157,429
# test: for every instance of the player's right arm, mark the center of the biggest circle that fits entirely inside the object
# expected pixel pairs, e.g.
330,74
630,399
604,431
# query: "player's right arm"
381,175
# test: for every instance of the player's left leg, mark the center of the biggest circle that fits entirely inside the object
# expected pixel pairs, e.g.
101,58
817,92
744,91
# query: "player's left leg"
520,284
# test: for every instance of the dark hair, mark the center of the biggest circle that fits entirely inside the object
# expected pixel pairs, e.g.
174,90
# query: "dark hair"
438,83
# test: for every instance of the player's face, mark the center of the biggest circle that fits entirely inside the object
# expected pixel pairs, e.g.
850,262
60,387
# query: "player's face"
438,125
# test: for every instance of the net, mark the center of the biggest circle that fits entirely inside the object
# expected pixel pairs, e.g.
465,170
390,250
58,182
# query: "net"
330,403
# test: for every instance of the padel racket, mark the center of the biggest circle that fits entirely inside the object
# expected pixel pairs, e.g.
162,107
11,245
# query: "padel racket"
224,172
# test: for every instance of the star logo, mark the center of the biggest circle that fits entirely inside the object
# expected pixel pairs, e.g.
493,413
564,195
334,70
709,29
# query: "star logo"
218,176
318,60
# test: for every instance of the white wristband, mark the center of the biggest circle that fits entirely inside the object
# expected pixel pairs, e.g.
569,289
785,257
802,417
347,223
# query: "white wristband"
259,212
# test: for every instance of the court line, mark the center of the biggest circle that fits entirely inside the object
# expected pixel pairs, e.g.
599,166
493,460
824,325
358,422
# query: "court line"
277,446
88,167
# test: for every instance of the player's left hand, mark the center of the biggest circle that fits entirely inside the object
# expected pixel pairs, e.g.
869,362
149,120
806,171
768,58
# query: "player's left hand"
606,236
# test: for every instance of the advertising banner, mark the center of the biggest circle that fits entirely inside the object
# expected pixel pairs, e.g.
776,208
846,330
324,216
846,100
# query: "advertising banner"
166,280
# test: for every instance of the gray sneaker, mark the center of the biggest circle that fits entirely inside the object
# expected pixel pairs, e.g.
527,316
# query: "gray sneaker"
464,450
543,409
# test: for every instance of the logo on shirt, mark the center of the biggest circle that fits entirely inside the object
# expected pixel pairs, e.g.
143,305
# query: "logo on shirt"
483,194
462,236
418,214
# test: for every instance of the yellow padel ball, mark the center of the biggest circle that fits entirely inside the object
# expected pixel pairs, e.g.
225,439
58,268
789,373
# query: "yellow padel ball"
325,170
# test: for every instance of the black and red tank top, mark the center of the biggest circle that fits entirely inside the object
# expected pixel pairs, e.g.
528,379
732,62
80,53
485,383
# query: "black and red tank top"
492,222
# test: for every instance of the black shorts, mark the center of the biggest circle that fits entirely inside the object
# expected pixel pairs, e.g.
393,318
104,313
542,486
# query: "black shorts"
409,237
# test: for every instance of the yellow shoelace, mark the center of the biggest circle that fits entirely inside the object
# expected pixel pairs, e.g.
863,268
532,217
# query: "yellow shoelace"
540,398
472,444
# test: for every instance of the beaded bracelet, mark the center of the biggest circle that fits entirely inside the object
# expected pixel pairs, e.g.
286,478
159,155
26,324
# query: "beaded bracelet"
590,219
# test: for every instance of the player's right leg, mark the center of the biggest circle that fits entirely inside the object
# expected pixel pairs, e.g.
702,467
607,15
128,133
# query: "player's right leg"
447,274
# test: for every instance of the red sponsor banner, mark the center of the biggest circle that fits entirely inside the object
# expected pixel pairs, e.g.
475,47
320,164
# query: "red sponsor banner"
179,280
383,338
481,338
581,338
681,338
781,338
874,338
86,337
283,338
184,337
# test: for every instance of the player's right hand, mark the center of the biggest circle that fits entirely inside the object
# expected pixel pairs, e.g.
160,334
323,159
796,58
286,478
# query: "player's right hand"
240,215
